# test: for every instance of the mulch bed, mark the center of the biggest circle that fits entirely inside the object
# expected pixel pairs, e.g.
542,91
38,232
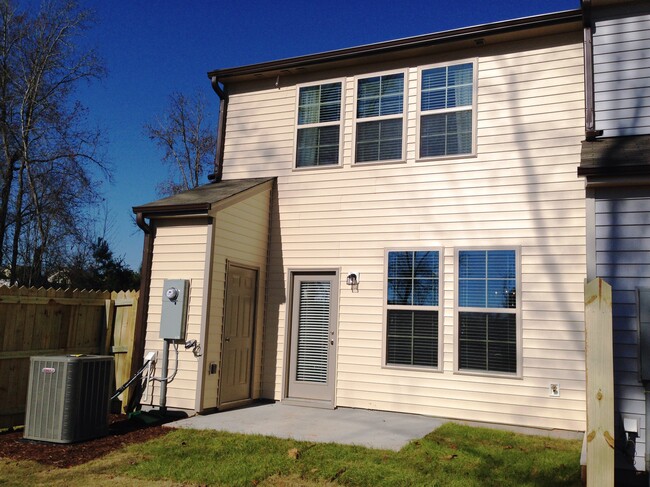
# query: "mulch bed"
122,432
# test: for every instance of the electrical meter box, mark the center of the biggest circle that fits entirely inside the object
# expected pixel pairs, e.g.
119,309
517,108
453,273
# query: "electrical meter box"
173,315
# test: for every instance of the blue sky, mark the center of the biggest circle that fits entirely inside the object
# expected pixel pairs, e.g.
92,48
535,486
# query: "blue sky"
154,48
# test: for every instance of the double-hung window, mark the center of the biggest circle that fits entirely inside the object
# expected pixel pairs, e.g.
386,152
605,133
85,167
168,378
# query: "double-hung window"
380,108
446,106
412,305
487,311
319,125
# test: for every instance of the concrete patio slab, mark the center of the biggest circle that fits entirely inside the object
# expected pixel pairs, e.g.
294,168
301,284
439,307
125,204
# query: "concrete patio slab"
374,429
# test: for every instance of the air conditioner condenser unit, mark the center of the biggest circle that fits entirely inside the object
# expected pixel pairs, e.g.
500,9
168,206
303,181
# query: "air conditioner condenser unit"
68,398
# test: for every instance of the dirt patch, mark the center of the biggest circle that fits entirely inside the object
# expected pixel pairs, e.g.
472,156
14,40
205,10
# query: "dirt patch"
122,432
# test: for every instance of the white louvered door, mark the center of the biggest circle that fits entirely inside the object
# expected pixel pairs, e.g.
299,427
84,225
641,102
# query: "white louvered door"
313,340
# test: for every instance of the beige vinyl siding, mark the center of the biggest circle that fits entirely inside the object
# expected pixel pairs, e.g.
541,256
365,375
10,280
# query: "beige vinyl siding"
179,253
260,128
521,190
240,237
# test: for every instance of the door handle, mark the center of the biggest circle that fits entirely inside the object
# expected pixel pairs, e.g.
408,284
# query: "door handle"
227,339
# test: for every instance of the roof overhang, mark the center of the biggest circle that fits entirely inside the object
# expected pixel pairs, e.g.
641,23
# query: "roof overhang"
610,159
202,200
411,46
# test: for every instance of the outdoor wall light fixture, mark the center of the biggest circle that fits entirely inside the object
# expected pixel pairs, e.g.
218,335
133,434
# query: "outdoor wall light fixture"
353,280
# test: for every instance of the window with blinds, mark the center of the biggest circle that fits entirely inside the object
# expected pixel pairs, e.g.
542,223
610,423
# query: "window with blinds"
319,125
380,105
446,105
487,310
313,331
412,332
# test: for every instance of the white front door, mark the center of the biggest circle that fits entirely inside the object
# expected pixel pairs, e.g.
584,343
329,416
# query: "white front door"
313,340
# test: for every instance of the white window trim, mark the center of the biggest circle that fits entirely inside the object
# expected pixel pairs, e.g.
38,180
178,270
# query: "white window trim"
440,309
356,120
340,122
419,113
518,326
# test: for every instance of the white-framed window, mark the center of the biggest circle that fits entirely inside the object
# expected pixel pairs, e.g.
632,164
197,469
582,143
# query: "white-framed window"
488,309
379,118
318,137
447,105
412,334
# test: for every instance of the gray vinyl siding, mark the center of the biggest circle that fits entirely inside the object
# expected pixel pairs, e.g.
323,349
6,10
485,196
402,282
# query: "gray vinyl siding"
622,246
622,72
520,190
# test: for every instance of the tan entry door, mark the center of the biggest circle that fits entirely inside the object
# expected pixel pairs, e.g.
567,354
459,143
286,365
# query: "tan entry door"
313,341
238,328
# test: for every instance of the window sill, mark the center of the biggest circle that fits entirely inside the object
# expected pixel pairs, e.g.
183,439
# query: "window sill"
413,368
315,168
495,375
471,155
378,163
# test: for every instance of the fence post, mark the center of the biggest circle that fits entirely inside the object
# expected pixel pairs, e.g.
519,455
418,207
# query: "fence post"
110,323
600,384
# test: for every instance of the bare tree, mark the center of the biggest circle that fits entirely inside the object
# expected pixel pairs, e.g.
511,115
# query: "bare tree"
186,136
47,148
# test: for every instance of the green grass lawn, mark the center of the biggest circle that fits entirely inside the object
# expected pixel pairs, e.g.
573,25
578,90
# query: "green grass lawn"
452,455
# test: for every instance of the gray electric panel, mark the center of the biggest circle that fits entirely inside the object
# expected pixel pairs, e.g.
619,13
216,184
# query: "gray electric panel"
644,333
173,315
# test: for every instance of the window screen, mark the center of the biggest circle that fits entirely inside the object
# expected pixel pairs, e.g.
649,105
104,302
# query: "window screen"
487,318
446,100
412,308
380,104
319,115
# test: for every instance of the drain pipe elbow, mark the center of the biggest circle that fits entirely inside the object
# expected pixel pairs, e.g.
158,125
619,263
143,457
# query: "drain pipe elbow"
217,88
222,93
139,220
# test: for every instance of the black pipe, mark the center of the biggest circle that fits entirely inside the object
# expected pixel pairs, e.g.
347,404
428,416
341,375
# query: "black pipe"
222,93
143,301
131,380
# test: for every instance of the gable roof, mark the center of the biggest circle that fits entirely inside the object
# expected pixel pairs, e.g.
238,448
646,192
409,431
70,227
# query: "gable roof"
469,36
199,201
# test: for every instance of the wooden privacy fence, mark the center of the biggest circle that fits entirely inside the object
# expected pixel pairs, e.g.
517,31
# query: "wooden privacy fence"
60,322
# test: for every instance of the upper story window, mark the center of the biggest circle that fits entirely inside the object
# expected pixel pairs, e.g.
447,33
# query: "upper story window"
487,310
413,290
380,108
319,125
446,106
